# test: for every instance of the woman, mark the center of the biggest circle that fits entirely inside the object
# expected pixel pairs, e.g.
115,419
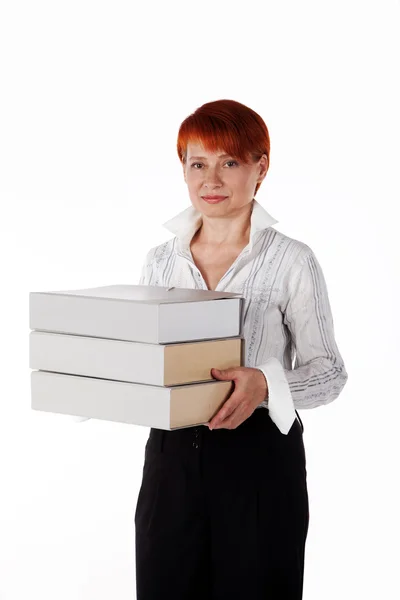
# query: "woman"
222,511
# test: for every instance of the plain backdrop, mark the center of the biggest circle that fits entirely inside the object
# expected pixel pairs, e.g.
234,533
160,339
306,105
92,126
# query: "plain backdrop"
92,96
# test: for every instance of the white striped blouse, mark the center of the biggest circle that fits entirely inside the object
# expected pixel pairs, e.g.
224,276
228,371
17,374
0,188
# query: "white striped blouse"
287,321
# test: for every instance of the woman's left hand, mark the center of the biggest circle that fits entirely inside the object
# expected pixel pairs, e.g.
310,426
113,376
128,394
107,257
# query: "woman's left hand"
250,390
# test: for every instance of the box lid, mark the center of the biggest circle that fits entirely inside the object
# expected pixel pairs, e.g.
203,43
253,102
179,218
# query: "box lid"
149,294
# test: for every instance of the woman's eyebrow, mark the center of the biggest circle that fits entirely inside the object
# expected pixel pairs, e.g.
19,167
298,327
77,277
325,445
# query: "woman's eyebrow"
205,158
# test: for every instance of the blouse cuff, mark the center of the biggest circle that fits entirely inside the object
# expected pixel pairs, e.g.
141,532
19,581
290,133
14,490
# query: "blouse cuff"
280,402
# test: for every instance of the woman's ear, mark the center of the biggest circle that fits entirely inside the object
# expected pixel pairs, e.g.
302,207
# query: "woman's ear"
264,166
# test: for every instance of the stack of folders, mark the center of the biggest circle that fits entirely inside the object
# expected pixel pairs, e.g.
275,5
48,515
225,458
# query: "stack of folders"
135,354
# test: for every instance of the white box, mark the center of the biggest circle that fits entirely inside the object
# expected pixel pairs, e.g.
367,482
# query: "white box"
152,406
138,313
135,362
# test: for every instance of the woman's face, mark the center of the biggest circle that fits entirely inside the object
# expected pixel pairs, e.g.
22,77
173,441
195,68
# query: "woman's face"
219,174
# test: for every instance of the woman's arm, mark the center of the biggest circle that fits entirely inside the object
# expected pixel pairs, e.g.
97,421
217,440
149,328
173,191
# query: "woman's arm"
319,373
147,268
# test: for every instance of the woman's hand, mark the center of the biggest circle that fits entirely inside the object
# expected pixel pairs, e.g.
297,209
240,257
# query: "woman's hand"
250,390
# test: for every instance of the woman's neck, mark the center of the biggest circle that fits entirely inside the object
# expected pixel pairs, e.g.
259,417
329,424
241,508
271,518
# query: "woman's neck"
230,231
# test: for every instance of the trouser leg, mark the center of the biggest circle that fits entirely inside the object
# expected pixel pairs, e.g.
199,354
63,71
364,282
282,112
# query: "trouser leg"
172,533
258,505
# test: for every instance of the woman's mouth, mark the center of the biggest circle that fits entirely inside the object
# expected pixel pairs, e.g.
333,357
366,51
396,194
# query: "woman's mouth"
213,199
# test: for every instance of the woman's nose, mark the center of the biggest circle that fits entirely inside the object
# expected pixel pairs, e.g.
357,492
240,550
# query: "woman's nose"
212,177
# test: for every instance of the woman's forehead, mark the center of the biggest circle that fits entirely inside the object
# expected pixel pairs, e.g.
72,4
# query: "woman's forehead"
197,150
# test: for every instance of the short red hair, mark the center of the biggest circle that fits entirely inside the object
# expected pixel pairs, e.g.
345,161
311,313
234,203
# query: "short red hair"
225,125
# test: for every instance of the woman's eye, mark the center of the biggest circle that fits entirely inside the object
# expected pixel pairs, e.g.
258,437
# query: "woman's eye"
227,162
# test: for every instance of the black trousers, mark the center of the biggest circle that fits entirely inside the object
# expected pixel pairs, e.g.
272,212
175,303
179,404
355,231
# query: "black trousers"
223,514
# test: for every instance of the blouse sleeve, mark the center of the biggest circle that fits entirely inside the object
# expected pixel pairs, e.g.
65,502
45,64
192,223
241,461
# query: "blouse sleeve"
147,268
319,373
143,275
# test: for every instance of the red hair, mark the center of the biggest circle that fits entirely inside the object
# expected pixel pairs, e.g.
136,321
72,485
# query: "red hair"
225,125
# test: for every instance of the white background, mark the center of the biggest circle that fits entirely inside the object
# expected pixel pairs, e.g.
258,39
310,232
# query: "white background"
92,96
